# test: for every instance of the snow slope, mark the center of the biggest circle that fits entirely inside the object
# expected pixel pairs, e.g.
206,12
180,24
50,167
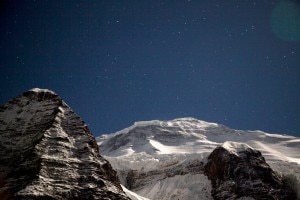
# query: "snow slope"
146,152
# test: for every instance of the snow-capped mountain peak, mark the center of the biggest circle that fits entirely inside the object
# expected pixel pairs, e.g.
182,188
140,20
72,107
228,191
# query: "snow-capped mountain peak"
183,124
159,152
40,90
235,147
189,135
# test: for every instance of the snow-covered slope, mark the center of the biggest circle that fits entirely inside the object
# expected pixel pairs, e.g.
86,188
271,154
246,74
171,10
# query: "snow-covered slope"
151,157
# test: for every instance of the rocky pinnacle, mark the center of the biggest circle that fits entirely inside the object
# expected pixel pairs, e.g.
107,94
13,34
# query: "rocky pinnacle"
47,152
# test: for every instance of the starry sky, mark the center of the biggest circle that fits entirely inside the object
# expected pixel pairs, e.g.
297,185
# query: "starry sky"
234,62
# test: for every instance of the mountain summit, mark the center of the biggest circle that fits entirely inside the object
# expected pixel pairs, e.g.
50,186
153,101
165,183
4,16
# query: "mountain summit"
47,152
191,159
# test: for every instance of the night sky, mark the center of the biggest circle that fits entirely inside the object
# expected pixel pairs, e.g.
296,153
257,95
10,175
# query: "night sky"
234,62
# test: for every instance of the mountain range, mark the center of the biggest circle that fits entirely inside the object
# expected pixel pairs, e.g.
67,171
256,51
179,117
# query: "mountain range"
167,159
48,152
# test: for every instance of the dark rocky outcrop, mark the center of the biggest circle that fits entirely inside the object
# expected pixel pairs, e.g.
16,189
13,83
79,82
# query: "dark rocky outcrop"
47,152
237,174
135,179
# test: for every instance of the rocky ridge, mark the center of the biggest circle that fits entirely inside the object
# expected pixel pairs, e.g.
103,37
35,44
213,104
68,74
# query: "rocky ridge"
244,173
47,152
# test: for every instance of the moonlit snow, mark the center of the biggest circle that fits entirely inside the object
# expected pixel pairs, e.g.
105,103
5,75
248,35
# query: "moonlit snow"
155,146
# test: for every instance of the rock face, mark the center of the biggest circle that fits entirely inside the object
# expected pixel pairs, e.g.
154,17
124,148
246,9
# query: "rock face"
47,152
167,181
237,171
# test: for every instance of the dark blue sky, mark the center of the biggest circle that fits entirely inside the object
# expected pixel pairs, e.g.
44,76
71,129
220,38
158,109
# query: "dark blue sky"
117,62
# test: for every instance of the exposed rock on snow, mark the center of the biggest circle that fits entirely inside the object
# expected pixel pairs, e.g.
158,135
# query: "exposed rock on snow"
180,180
47,152
152,158
238,171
